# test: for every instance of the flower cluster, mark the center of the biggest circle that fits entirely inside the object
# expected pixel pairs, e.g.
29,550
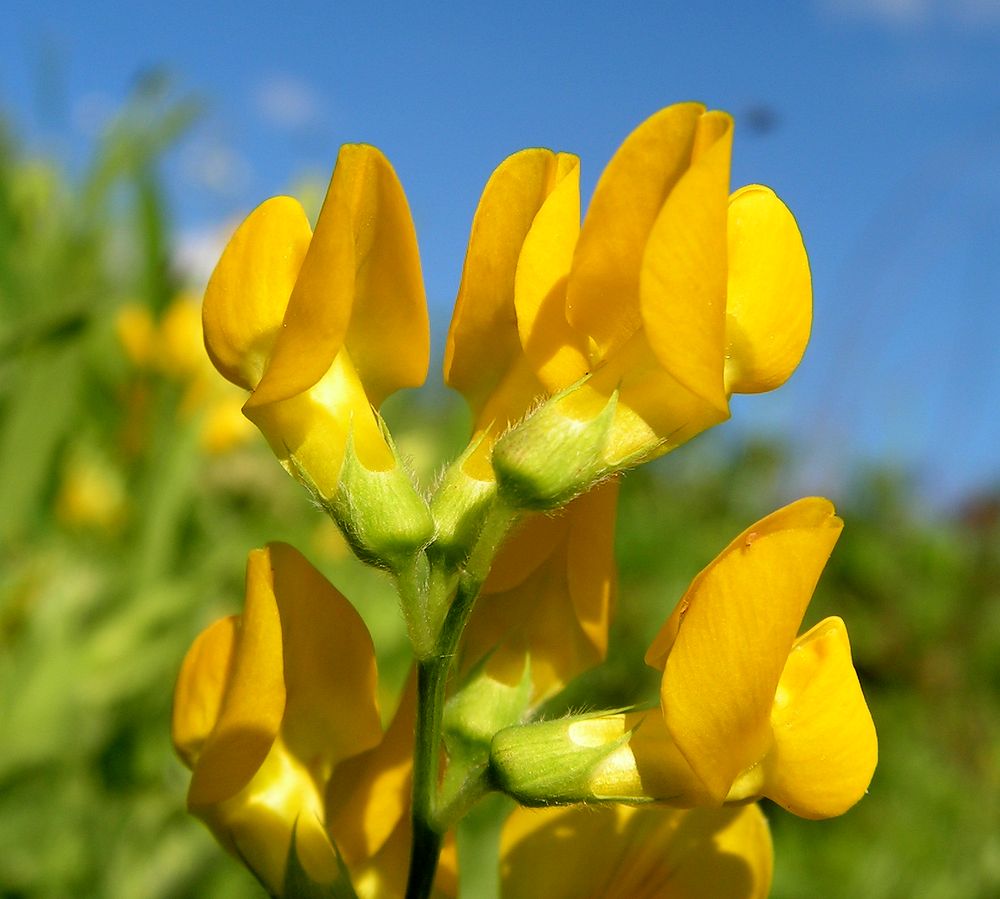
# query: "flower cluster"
582,350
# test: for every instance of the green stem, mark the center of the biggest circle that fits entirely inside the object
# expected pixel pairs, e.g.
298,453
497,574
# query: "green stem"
412,585
432,678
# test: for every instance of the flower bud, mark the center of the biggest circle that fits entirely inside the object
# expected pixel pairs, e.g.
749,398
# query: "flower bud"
564,761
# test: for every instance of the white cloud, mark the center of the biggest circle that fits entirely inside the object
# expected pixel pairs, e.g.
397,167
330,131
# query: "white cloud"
288,103
196,250
211,164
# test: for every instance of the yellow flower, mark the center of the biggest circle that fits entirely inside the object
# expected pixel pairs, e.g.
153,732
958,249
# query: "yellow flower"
271,709
549,596
754,709
747,709
484,356
636,853
321,327
672,295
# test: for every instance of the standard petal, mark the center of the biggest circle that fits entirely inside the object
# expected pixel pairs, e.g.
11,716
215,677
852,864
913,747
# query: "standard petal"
249,290
548,599
683,280
319,309
532,542
254,701
726,644
331,711
360,286
825,747
603,291
389,335
635,853
769,296
555,350
483,341
535,621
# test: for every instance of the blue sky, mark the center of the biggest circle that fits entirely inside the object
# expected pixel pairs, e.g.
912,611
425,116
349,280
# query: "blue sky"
876,121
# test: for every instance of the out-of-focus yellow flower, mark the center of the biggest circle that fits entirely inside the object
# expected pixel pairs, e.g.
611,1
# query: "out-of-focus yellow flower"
92,494
174,348
136,332
321,327
636,853
747,708
271,708
673,295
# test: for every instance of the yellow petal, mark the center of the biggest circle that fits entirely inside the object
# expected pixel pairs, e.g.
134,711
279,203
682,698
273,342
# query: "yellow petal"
533,541
653,414
556,351
254,700
360,285
725,646
683,279
825,748
331,711
769,298
591,561
619,852
308,433
369,794
548,598
603,290
389,335
201,685
516,391
248,292
483,341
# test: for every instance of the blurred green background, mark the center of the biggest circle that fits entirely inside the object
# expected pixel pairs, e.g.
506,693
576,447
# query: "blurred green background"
131,491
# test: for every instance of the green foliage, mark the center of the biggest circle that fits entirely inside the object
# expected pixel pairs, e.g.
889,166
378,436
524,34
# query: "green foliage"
98,607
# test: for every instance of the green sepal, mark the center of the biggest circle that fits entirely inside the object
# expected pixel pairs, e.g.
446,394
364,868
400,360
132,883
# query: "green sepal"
539,764
459,507
299,885
384,519
479,708
550,457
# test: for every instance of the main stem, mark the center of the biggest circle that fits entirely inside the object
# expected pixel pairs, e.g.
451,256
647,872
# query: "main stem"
432,678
